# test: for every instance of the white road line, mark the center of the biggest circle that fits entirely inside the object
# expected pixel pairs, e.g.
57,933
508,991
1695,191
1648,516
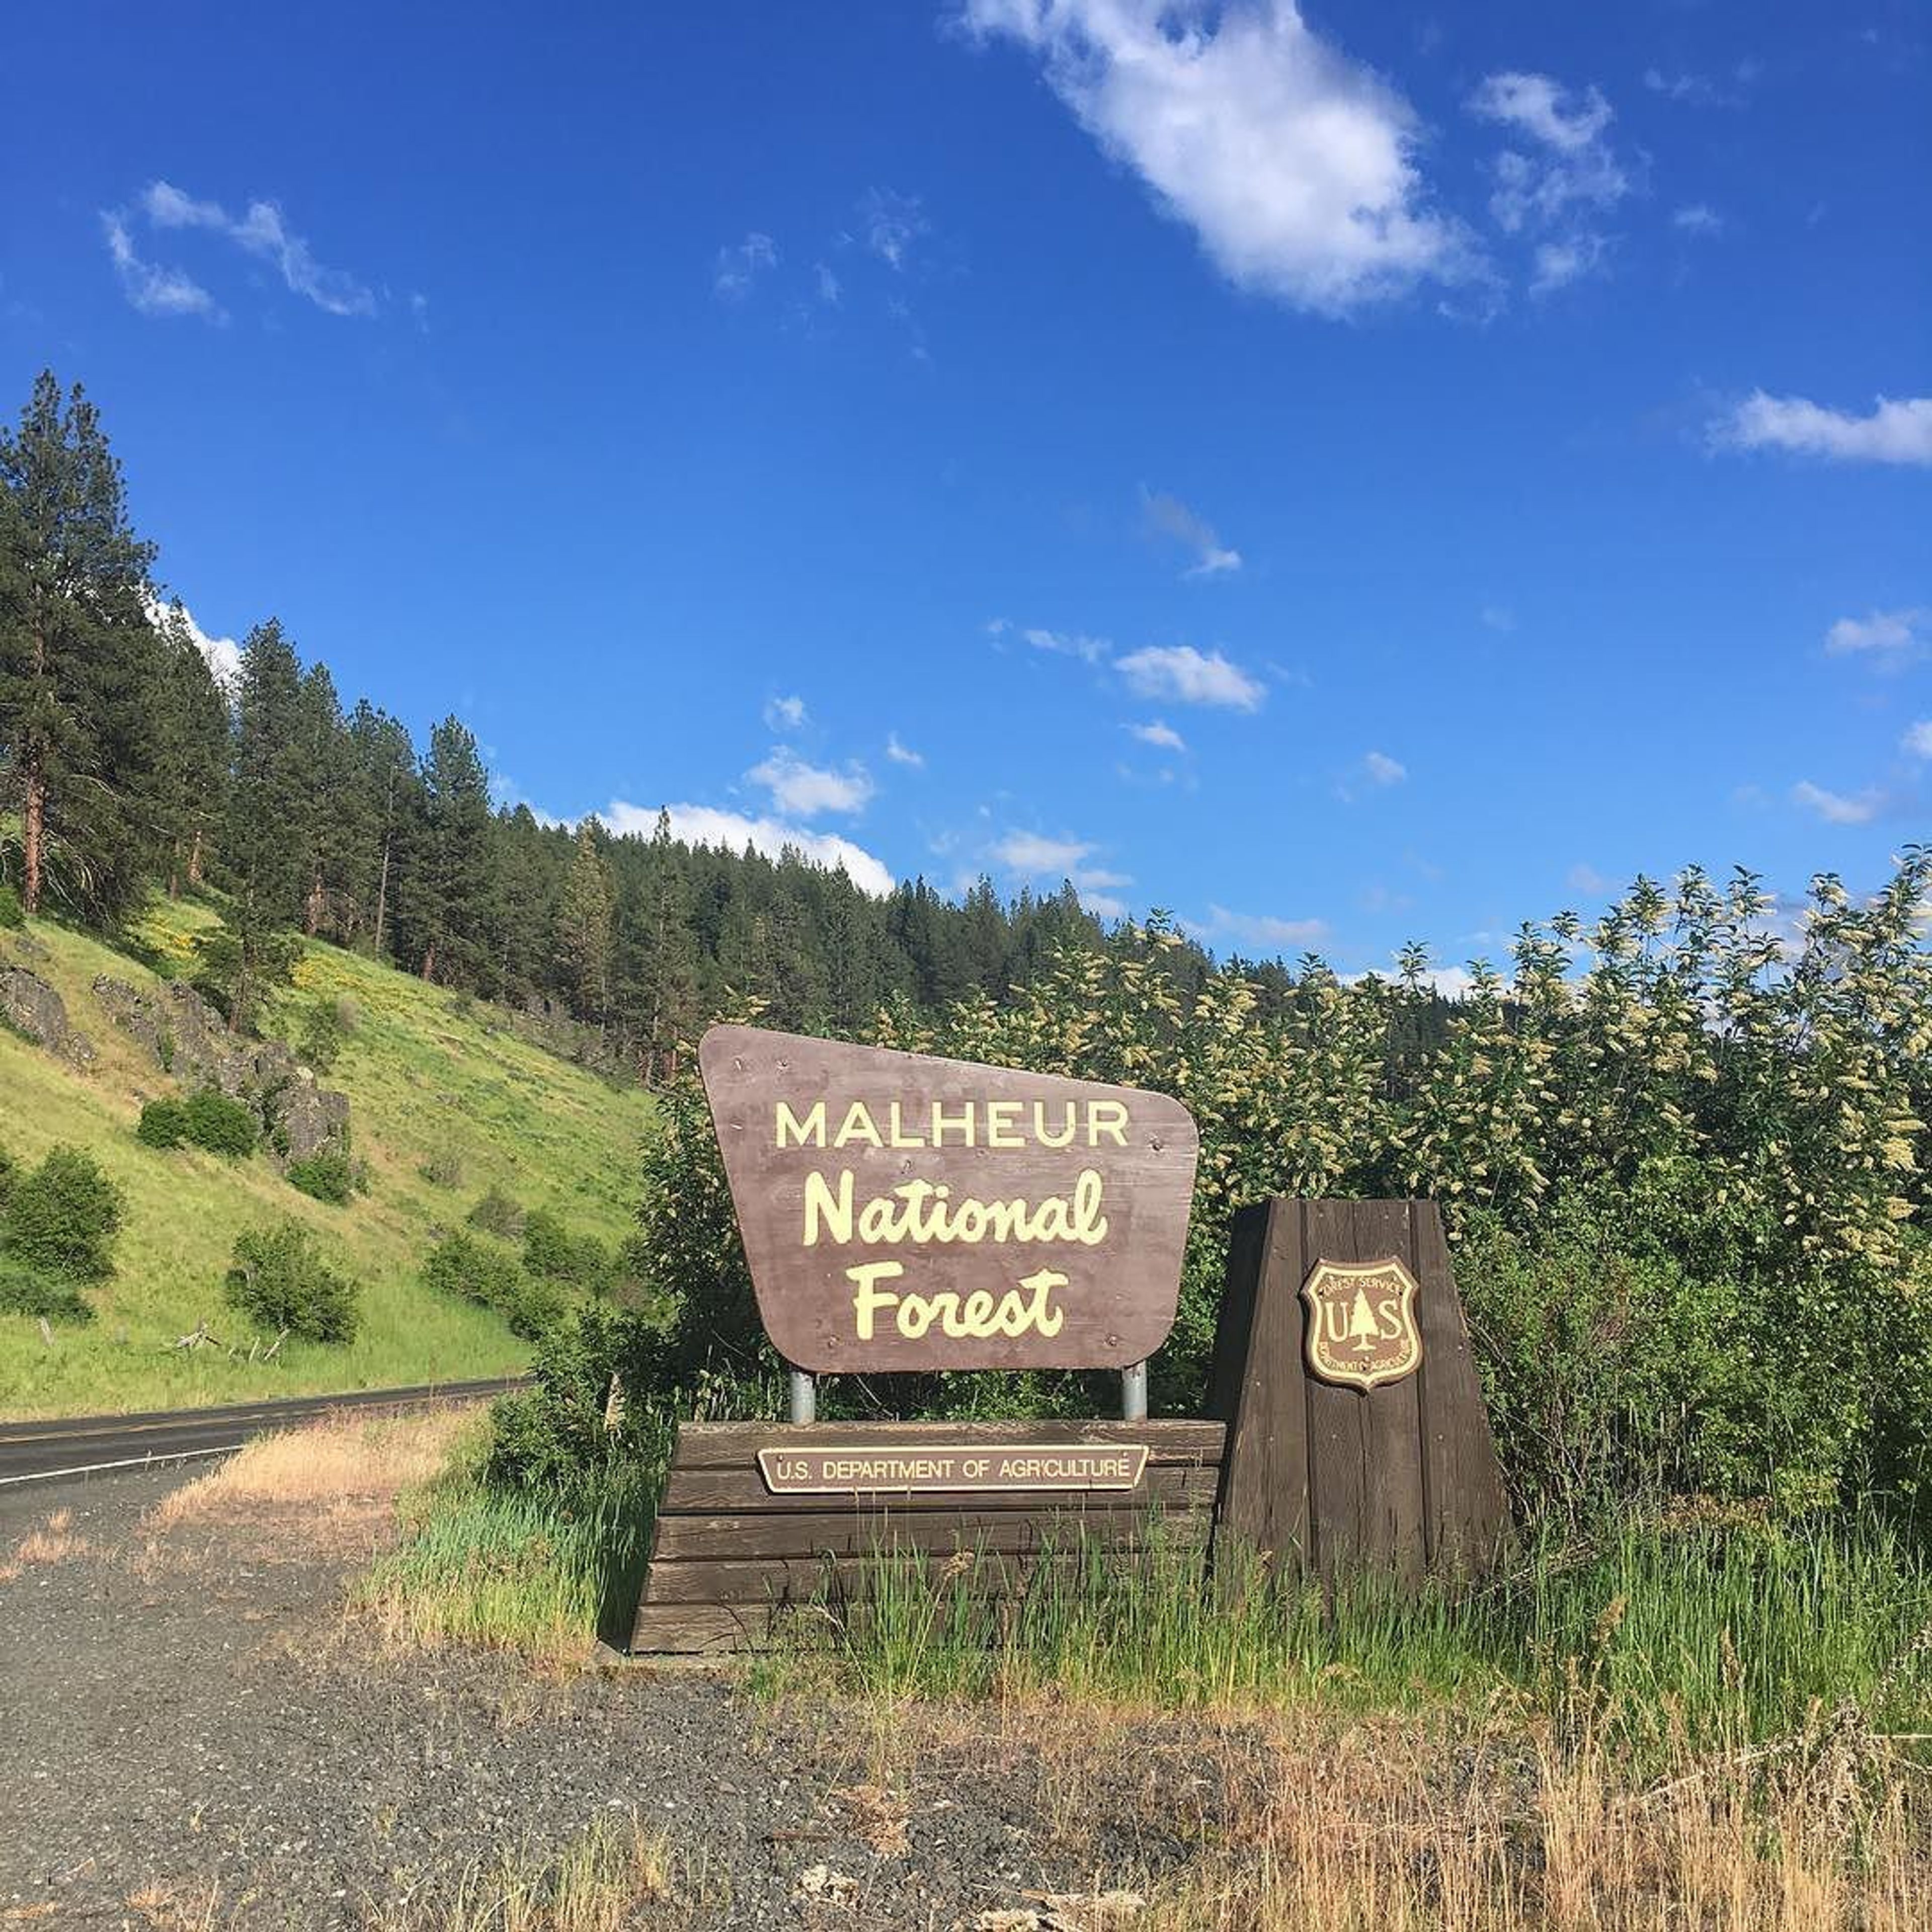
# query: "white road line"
127,1462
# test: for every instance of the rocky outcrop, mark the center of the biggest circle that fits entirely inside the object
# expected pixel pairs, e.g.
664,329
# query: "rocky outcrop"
32,1008
190,1040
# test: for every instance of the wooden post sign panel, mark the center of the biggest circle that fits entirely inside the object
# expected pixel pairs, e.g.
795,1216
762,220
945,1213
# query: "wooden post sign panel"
900,1212
1357,1436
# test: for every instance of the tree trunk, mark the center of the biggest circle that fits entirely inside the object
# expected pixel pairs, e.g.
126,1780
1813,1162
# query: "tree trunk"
312,906
36,821
429,964
194,860
382,894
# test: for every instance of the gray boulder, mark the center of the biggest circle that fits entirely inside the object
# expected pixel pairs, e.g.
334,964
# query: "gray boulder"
32,1007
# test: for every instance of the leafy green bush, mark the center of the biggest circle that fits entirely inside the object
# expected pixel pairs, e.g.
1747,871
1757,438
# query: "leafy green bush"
496,1213
219,1124
280,1281
318,1039
61,1218
12,914
552,1253
443,1169
25,1290
164,1123
472,1271
535,1308
10,1172
327,1176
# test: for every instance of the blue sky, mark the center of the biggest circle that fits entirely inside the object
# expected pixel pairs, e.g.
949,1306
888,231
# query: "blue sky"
1341,477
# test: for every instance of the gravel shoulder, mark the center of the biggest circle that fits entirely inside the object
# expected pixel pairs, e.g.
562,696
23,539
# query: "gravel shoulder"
194,1732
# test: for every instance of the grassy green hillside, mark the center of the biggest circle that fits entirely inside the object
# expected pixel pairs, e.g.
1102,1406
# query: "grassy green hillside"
434,1083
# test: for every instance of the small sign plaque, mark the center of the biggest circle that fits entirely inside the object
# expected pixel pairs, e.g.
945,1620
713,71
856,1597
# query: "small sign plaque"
1361,1323
874,1468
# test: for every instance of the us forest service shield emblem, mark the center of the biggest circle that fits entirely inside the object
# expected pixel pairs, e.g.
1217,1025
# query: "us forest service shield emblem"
1361,1323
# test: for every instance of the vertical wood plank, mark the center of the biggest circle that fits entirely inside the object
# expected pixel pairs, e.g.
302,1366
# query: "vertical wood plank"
1394,1538
1258,1390
1337,1432
1468,1512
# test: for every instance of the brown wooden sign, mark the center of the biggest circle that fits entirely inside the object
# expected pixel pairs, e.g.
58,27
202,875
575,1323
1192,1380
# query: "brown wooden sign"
900,1212
880,1468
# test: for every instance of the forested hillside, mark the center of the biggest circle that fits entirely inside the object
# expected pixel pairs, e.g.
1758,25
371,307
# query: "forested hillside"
126,764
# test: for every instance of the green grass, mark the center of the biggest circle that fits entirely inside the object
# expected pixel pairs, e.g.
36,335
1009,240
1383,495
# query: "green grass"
541,1572
427,1083
1660,1637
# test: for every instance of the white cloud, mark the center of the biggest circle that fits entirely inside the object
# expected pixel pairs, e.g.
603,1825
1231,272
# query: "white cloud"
1556,265
1587,879
892,223
1261,930
732,831
1189,676
1378,768
902,754
1571,175
829,290
1543,109
1158,733
785,714
1172,517
1452,983
1065,643
224,654
1028,855
1498,617
737,268
1293,164
262,231
809,790
150,288
1700,218
1889,639
1833,807
1895,432
1917,742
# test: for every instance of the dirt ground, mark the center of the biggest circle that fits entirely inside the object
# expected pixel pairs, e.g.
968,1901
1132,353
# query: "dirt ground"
193,1732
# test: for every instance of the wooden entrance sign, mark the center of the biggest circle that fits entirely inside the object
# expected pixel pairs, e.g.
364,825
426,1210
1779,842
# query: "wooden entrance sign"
900,1212
1357,1436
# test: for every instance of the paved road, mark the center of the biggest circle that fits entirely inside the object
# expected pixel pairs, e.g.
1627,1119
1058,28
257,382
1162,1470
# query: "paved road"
37,1451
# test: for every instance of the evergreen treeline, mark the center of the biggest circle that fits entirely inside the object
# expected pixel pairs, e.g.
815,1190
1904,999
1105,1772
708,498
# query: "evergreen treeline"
125,765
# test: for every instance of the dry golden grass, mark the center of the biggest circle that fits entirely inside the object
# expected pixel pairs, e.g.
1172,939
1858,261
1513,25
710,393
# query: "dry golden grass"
1363,1830
616,1877
52,1541
343,1469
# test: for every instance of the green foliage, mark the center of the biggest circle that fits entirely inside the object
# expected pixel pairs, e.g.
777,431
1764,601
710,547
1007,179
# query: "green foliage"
320,1038
1682,1161
496,1213
218,1124
9,1173
61,1218
241,961
280,1281
552,1253
1658,1633
164,1123
472,1271
327,1177
12,914
443,1169
27,1290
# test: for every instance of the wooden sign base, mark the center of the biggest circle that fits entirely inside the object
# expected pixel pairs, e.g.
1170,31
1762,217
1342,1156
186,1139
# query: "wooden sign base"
734,1547
1360,1444
1321,1475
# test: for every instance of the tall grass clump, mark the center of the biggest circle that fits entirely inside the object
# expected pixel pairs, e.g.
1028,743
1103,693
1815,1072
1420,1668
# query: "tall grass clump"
1659,1636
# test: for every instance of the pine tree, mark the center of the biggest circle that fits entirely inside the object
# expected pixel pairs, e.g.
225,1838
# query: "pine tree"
76,652
669,965
323,760
449,877
583,927
192,720
1362,1328
384,790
